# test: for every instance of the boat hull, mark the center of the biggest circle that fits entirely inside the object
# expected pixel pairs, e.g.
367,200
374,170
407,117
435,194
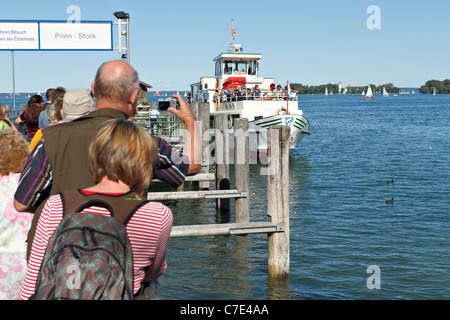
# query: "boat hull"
298,125
258,131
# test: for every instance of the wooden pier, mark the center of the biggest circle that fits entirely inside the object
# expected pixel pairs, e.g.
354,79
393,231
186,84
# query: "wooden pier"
277,225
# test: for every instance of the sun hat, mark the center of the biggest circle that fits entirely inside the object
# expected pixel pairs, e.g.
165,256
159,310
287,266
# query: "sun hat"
77,102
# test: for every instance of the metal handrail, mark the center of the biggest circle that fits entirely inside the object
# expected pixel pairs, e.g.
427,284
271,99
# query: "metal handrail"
14,114
264,95
167,126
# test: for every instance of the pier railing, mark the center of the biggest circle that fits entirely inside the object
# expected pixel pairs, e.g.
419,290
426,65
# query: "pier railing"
165,125
277,224
13,114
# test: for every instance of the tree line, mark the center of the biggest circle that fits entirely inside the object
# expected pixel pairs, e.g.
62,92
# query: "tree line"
334,88
439,86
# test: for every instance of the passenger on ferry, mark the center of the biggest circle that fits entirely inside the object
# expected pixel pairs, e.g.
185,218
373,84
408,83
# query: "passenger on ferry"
256,92
60,160
121,170
278,92
225,95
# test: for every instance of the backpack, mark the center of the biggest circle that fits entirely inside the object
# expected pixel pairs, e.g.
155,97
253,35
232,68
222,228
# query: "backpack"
89,256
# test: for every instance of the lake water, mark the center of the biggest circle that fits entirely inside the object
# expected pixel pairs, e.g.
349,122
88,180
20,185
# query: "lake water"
340,223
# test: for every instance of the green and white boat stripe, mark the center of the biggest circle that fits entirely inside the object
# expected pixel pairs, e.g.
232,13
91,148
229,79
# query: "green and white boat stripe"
270,123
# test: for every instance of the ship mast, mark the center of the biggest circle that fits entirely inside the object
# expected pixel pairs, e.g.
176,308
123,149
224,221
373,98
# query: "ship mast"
233,34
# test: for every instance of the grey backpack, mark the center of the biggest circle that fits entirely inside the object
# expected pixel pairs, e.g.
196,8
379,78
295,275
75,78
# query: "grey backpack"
89,256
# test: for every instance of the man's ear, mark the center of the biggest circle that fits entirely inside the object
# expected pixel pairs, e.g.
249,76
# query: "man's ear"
134,97
92,87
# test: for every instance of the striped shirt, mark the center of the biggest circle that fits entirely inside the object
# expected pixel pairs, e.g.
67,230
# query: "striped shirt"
148,230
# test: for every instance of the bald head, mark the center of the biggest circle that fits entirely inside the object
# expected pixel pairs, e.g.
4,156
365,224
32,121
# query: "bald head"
116,84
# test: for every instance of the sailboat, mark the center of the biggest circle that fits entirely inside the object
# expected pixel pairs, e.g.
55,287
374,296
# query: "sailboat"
385,94
326,91
434,91
369,94
363,93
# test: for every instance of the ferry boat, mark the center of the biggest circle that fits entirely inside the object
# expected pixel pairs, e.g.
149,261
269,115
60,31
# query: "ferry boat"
231,91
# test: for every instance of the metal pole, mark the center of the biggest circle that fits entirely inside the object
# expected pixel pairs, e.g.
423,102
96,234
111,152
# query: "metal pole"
14,81
119,34
128,39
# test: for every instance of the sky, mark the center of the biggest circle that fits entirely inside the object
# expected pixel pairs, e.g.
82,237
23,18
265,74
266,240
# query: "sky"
173,43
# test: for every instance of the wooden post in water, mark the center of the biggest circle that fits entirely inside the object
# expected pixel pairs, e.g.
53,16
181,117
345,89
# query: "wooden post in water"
203,119
222,140
241,169
278,200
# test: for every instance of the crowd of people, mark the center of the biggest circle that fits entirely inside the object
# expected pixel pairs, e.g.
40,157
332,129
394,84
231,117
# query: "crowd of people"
241,92
87,146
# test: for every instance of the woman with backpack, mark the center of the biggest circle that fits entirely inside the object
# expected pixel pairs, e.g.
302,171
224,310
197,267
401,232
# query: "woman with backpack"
121,160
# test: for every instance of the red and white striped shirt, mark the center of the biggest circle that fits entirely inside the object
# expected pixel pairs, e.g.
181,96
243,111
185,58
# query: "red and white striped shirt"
148,230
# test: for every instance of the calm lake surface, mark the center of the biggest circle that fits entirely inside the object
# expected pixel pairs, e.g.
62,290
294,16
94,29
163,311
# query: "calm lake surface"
340,223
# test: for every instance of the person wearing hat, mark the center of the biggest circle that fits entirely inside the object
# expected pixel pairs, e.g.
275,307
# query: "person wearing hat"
76,104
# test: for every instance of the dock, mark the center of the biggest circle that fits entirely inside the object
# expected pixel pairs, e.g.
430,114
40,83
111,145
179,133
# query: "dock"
225,195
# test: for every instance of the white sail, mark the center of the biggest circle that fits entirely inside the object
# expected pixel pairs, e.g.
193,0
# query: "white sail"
326,91
369,93
363,93
385,94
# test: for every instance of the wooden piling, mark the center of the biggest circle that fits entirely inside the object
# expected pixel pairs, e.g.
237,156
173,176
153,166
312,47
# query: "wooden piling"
222,152
278,200
242,169
203,119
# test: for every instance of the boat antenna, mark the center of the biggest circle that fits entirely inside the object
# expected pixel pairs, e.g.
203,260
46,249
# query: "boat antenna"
233,34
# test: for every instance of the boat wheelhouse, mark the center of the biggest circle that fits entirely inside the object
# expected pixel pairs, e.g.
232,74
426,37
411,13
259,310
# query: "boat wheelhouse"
238,90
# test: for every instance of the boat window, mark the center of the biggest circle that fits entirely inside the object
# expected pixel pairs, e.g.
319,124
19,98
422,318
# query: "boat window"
240,67
228,67
218,68
253,68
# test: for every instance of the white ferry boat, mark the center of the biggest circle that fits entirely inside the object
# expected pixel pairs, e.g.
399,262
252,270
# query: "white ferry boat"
231,91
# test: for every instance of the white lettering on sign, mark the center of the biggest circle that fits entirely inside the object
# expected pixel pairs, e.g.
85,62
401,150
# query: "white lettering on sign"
76,36
19,36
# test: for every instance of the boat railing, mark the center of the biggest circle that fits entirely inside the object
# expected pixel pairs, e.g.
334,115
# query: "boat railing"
165,125
263,96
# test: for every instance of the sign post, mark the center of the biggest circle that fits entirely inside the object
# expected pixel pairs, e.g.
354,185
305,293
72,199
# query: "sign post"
14,80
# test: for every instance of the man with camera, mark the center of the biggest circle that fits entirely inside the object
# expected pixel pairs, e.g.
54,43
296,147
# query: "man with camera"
60,160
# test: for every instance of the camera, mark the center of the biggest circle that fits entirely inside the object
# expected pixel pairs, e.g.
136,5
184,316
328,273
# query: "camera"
164,104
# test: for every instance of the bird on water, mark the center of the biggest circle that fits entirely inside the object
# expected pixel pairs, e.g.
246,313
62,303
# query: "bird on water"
390,201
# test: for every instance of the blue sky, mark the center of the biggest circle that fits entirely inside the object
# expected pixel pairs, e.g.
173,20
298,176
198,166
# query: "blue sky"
310,42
